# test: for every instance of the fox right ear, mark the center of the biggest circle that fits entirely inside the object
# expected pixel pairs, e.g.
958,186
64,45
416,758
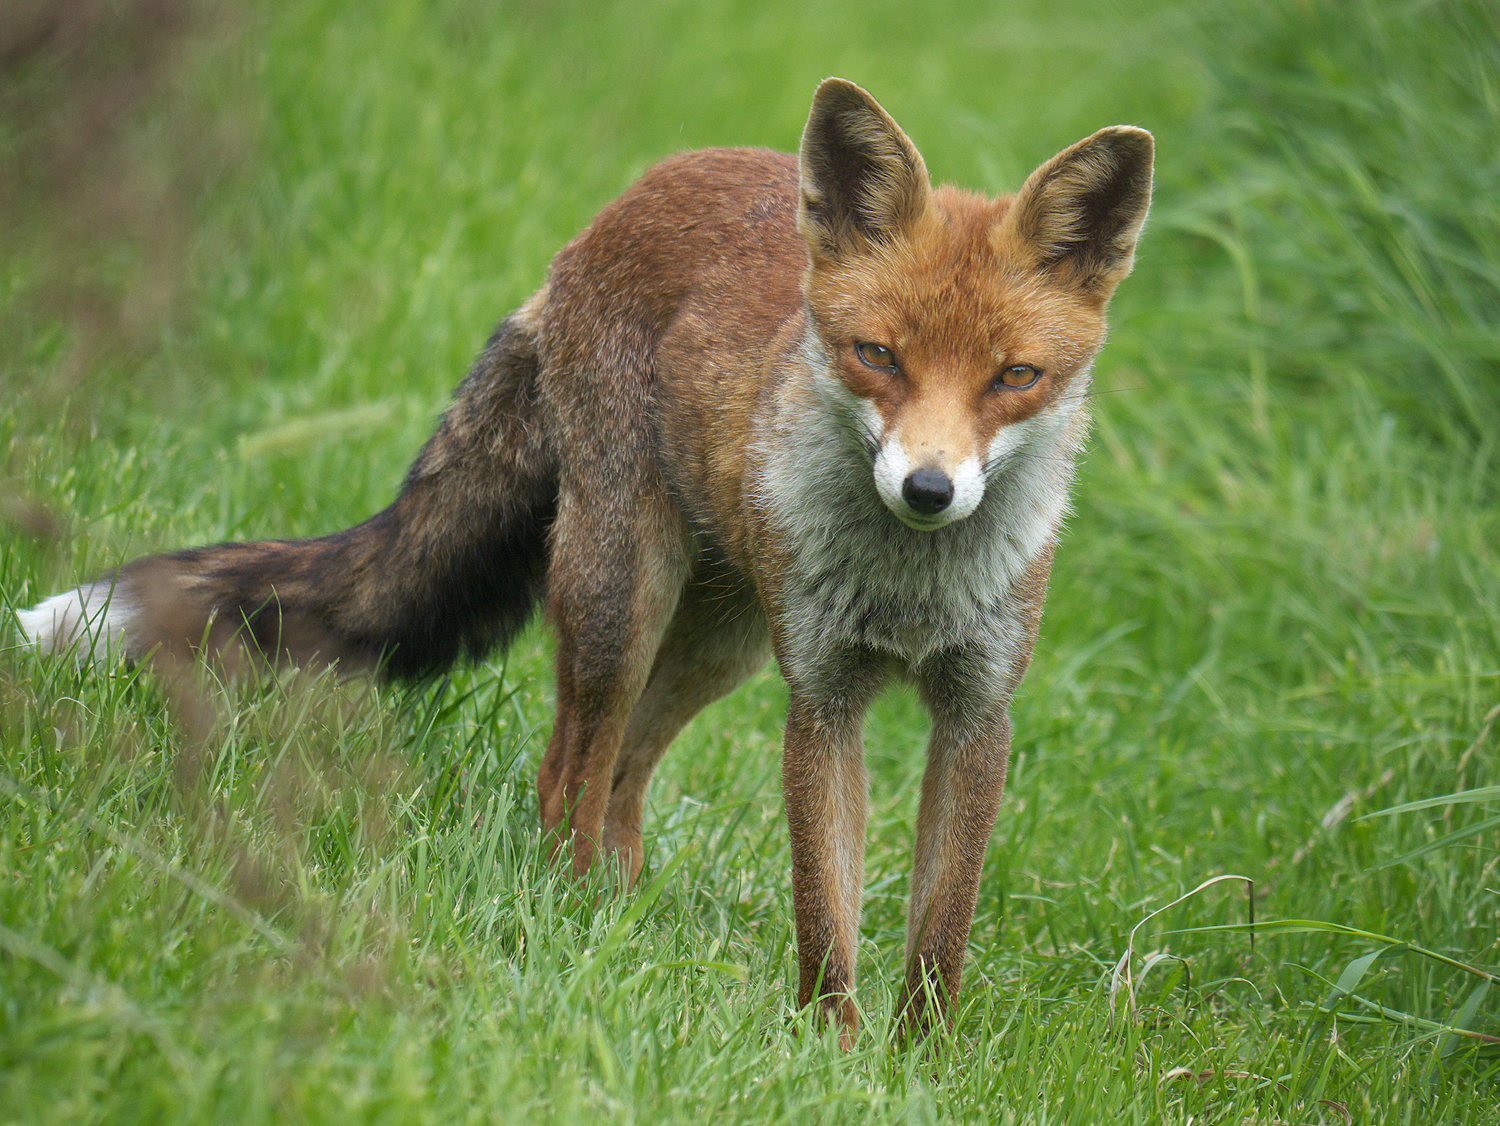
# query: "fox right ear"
863,181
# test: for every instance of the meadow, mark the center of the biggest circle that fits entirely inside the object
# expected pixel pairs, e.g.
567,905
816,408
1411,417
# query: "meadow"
249,250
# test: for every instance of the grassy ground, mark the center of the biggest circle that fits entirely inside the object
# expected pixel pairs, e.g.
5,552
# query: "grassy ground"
233,305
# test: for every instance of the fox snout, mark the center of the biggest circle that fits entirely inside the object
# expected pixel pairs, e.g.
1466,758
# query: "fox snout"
929,492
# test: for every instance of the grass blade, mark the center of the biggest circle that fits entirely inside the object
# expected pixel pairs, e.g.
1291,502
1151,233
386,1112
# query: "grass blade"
622,926
1482,794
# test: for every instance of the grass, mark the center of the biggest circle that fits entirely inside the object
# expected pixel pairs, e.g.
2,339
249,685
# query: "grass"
1275,610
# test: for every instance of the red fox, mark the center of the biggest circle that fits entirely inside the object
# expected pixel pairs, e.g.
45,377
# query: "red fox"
806,406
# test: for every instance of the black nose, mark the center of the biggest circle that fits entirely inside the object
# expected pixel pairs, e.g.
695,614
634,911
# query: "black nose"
928,491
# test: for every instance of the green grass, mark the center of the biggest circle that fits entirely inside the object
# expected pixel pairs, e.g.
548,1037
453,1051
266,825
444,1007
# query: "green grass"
1276,610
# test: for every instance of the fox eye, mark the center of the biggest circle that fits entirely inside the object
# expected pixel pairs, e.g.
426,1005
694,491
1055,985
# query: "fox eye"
1018,376
875,355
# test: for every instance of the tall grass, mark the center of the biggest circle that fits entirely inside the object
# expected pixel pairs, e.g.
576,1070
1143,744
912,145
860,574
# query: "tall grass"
1274,613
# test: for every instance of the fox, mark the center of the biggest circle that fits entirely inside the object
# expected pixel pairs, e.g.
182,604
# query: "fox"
805,406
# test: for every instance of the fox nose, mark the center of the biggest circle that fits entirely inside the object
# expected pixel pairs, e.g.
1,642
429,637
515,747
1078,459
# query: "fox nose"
927,490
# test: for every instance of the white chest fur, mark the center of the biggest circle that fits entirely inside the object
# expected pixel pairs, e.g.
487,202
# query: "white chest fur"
860,577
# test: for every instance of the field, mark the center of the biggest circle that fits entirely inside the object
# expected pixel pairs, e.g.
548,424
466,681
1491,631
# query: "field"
247,253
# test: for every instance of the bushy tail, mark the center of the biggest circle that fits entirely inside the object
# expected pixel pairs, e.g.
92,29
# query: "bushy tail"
454,567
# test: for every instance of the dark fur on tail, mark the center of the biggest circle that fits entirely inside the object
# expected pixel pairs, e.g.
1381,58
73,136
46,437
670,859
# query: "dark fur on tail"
453,568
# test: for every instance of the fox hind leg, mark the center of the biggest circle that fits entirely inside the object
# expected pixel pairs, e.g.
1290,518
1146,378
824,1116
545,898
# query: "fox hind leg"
717,639
614,585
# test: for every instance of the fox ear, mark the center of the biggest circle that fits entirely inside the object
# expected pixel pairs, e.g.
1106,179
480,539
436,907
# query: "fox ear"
1082,211
863,181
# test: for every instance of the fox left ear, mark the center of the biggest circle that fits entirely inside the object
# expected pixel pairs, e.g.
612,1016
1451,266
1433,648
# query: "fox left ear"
863,181
1082,211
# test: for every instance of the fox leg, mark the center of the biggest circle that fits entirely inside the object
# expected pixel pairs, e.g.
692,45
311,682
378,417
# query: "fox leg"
716,640
826,793
613,587
968,693
962,785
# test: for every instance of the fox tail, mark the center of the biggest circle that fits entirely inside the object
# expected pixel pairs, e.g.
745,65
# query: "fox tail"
454,567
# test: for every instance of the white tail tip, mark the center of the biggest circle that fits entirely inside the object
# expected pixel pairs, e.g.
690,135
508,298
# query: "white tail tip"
95,618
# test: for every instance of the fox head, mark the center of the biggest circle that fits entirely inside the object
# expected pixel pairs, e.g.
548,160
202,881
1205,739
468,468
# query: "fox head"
957,330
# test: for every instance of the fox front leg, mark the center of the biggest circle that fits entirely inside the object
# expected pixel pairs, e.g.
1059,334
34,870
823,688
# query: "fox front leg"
968,694
961,791
826,793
